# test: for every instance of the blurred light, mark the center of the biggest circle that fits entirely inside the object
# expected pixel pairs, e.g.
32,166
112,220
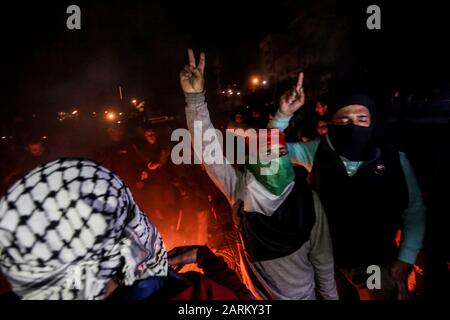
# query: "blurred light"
223,92
44,137
238,93
230,91
75,112
255,80
94,113
111,116
4,137
106,112
120,113
134,101
119,122
264,82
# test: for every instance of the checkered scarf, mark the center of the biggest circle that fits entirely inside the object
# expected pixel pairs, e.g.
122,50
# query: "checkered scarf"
70,226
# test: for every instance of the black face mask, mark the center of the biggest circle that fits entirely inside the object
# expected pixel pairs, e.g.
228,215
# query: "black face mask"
356,143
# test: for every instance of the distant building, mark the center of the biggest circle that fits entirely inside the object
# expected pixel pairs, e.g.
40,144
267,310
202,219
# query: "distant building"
311,43
272,50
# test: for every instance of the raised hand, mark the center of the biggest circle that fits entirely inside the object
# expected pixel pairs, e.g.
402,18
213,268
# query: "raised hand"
191,77
293,99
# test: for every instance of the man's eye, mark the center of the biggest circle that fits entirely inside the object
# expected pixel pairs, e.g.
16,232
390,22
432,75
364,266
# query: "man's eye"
343,121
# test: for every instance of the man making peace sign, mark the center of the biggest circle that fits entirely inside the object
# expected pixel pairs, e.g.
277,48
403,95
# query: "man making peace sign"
285,245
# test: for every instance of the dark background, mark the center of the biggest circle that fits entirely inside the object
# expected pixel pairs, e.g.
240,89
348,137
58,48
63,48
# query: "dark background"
141,45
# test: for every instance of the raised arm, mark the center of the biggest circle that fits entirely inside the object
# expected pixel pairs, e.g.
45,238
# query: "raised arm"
222,173
291,101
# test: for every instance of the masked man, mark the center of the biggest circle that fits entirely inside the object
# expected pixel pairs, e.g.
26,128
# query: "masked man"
368,189
285,246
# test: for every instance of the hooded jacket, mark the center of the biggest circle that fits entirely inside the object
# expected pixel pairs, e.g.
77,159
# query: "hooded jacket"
304,265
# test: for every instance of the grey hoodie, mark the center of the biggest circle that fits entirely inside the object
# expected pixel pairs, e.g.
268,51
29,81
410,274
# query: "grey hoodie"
296,276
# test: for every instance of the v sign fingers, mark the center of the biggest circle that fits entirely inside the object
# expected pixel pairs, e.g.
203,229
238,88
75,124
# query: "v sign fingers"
201,64
191,58
191,77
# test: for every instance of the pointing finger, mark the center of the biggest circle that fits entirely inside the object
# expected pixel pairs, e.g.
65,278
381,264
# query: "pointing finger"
299,85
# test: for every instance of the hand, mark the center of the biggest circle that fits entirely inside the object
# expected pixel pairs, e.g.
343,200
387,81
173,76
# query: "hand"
399,272
180,256
191,77
293,99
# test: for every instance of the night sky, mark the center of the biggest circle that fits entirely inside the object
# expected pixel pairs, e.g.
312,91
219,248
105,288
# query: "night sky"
141,46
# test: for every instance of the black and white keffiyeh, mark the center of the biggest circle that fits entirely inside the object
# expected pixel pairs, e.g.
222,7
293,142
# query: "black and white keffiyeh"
68,227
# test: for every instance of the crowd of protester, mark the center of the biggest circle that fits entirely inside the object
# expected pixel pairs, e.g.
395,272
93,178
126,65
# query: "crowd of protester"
95,229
